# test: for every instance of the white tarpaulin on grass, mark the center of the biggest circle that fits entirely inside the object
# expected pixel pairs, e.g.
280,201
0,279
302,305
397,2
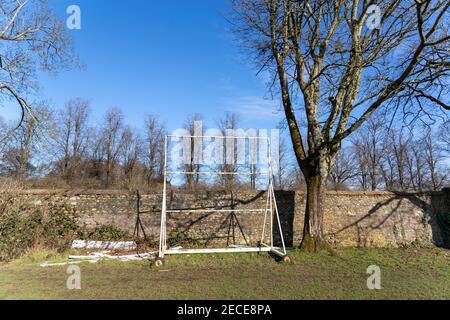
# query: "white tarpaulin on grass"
95,257
104,245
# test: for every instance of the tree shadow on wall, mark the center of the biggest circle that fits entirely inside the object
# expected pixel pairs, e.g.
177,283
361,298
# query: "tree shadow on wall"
430,217
286,210
231,230
184,227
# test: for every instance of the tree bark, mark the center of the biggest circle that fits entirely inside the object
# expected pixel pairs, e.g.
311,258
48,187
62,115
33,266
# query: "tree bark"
313,239
316,173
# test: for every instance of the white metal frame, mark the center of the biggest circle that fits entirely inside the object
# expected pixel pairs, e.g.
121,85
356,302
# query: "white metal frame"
270,210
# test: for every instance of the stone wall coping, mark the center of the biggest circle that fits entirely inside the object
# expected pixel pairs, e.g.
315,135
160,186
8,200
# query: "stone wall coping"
88,192
74,192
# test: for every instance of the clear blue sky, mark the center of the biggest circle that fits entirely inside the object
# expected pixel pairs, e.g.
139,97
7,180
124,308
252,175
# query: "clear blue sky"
171,58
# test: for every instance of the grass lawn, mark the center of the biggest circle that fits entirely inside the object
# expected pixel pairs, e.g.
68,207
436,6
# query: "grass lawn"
406,274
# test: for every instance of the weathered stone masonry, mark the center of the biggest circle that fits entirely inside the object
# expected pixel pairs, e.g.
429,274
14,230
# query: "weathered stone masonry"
351,218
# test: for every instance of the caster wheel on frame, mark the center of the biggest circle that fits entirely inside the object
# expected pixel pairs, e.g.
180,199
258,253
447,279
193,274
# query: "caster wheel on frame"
287,259
159,262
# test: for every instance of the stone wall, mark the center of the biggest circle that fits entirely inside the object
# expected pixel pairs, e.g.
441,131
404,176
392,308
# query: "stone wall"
351,218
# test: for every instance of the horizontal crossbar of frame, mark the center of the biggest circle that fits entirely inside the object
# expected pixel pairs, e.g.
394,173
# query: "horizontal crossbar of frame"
219,137
217,250
220,173
217,210
226,250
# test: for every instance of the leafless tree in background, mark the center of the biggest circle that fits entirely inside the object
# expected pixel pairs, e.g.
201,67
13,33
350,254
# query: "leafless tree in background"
433,157
26,143
131,153
295,180
111,135
5,133
227,124
32,38
284,166
398,146
96,154
154,133
368,147
415,167
393,161
73,136
344,169
445,136
192,180
410,159
328,63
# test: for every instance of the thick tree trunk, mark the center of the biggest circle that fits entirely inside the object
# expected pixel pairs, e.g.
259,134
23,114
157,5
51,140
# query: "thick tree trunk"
313,239
316,175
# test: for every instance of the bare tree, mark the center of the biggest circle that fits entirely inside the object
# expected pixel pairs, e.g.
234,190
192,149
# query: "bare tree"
5,133
394,162
32,38
154,134
131,152
192,178
344,169
73,136
387,168
328,59
433,158
368,148
295,179
445,136
413,160
96,153
228,125
112,133
399,146
26,142
284,166
415,164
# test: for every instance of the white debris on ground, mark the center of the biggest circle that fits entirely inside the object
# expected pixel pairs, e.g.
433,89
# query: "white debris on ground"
105,255
47,264
95,257
107,247
104,245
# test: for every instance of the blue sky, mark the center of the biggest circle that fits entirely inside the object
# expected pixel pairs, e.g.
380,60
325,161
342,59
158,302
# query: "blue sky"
171,58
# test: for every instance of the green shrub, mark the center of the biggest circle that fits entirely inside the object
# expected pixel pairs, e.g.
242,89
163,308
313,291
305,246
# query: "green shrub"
19,231
25,226
60,227
104,233
177,238
53,226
